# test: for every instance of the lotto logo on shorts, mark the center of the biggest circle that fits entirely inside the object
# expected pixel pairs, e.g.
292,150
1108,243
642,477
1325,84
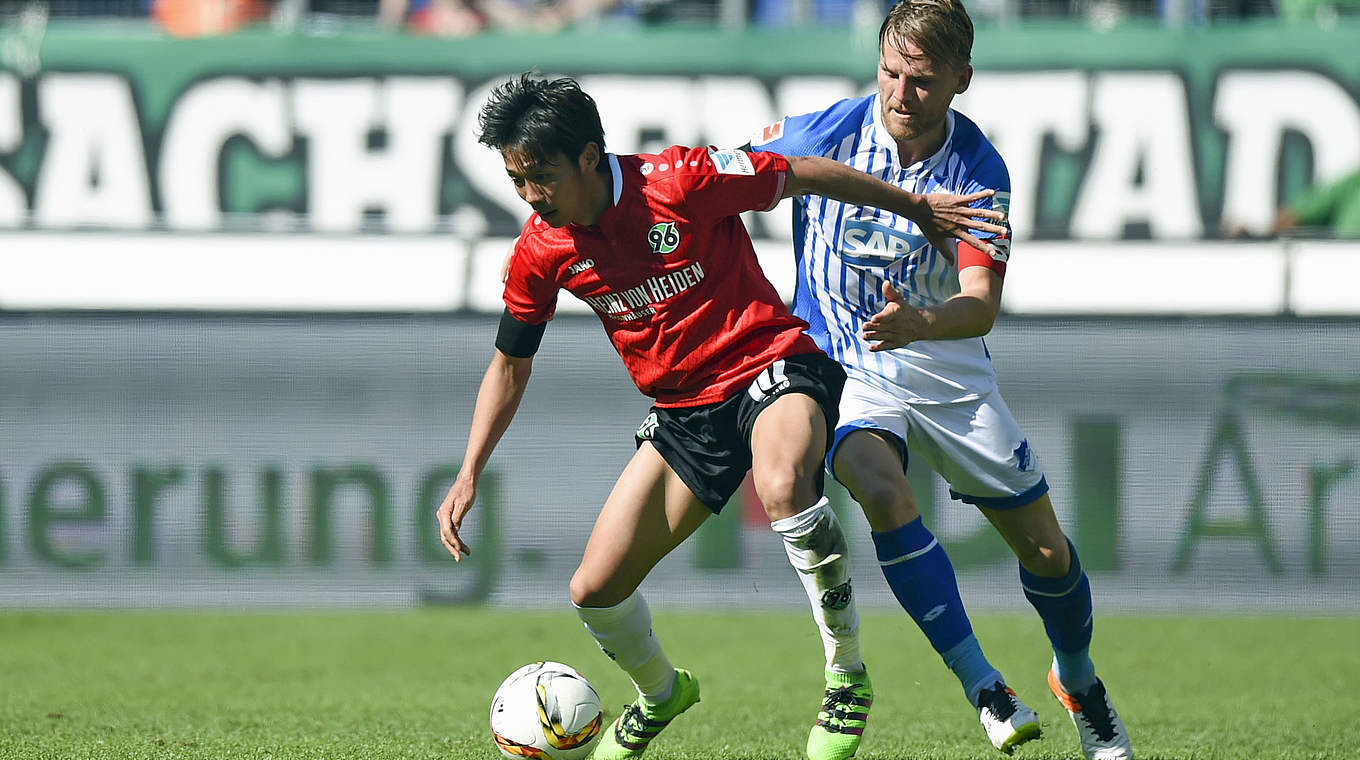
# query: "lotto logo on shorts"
648,427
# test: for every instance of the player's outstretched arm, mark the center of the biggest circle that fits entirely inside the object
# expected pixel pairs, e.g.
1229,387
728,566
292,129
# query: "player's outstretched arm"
497,400
969,313
941,216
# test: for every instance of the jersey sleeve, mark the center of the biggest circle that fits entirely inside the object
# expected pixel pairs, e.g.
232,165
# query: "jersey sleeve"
719,183
809,134
530,290
990,174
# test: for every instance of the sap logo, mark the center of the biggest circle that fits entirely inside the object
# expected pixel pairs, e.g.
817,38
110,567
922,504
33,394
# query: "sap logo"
732,161
580,266
870,243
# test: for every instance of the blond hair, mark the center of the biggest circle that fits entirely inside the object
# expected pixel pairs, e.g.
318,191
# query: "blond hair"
940,28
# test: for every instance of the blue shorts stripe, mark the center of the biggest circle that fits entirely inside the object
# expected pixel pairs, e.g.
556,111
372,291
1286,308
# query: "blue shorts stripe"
1002,502
846,428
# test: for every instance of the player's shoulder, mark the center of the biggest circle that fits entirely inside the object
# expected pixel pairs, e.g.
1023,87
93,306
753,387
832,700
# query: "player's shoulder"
974,151
815,132
664,164
679,164
539,243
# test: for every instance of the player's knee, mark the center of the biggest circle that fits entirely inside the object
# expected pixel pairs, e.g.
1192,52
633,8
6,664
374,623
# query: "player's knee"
886,504
1047,559
592,590
784,491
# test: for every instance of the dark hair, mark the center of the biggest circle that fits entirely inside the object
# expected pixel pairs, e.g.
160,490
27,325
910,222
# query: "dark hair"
539,118
940,28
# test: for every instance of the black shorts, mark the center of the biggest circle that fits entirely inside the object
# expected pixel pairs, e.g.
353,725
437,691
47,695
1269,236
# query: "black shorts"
709,446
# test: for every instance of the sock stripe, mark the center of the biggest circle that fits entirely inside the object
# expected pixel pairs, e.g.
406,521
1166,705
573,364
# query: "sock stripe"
1053,594
909,555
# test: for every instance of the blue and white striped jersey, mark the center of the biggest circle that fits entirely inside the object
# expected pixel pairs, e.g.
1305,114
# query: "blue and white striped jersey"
844,252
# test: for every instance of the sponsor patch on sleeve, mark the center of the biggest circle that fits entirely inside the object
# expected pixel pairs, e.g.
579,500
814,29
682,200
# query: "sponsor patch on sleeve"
731,161
1002,201
1001,244
770,133
1001,248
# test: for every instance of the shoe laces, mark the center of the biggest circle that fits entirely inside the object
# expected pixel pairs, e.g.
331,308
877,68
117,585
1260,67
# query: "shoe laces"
633,721
838,701
998,700
1096,712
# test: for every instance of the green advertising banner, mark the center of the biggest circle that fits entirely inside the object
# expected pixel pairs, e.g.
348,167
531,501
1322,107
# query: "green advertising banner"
1136,133
163,460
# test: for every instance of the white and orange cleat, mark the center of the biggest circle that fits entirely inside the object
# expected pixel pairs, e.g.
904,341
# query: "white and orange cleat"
1103,736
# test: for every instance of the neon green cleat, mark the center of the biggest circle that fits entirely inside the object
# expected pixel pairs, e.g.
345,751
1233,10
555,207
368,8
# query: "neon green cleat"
629,735
844,713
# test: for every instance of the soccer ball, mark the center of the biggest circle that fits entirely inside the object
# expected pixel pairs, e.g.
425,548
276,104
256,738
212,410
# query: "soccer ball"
546,710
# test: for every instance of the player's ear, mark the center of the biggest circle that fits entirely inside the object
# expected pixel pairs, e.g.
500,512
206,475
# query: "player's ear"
590,157
965,79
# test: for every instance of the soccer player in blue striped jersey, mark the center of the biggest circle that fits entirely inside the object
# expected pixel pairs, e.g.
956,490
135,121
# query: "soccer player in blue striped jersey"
906,316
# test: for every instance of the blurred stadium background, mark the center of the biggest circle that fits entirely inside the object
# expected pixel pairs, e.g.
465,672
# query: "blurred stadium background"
248,286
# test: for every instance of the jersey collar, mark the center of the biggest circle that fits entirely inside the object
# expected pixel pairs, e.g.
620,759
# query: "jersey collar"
882,138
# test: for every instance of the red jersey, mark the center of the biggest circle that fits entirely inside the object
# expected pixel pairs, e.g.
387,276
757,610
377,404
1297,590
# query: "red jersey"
670,271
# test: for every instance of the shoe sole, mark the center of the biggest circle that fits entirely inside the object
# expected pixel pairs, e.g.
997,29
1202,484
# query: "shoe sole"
1025,733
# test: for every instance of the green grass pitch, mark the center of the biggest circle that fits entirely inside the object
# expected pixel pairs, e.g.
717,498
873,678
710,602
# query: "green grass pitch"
416,685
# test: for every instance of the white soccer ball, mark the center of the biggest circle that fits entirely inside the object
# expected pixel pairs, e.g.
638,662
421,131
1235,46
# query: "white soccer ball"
546,710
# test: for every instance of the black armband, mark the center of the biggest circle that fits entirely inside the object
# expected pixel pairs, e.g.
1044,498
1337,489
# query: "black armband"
514,338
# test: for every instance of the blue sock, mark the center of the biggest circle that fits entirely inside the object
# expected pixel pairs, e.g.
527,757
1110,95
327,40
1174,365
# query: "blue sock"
1064,604
970,665
922,578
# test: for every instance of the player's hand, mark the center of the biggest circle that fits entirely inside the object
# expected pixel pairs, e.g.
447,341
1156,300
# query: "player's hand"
896,324
953,216
450,515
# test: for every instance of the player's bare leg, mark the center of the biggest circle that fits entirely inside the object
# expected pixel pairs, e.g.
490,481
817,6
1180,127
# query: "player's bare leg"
870,464
649,513
1053,581
787,445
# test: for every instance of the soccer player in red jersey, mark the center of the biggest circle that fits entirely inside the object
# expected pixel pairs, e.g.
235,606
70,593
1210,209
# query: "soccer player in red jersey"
655,245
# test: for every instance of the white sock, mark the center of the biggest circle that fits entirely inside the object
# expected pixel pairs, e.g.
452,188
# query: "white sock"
624,632
817,549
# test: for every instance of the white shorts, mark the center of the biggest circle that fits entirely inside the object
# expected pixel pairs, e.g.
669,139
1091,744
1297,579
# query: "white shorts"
976,446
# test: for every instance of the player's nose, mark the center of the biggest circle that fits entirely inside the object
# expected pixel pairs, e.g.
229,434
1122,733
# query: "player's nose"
532,193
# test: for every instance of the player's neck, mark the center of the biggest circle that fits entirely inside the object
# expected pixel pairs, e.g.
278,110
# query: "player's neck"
912,152
599,194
